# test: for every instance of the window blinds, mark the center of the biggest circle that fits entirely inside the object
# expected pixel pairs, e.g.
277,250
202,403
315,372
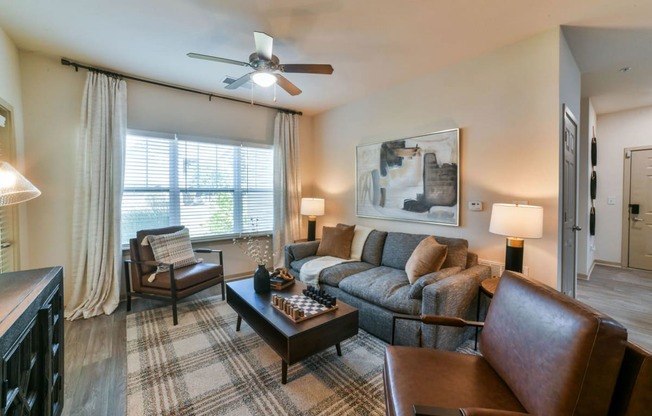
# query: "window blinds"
214,189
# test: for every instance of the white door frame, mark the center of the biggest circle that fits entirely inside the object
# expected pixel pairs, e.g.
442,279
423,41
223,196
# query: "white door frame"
627,173
563,232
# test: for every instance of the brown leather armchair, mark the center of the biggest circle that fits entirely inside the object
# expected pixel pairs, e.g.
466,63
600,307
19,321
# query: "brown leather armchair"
543,354
169,286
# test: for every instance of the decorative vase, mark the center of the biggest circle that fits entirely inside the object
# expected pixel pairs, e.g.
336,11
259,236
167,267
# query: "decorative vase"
261,279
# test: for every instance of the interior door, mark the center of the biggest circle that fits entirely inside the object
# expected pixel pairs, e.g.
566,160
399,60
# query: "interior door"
569,204
640,210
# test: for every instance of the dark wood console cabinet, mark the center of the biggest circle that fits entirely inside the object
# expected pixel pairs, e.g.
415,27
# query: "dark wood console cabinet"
31,342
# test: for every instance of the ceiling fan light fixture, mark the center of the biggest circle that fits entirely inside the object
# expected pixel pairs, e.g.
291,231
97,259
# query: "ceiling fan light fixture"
263,78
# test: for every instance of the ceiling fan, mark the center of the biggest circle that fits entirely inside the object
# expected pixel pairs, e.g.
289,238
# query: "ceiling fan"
267,66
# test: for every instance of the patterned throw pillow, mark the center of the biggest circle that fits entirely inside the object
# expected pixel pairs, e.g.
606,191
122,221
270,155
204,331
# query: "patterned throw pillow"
174,248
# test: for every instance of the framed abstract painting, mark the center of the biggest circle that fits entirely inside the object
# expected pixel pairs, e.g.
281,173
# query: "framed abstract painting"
410,179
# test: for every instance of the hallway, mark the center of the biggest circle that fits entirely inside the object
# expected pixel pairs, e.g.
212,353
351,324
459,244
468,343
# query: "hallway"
625,295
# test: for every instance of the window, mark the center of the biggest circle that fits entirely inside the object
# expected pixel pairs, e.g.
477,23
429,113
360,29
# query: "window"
215,188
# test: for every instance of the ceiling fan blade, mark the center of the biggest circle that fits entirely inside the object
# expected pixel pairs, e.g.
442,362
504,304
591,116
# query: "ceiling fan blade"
308,68
217,59
264,44
239,82
287,85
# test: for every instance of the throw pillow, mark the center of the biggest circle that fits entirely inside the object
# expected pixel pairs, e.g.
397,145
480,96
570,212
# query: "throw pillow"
417,288
174,248
359,238
426,258
336,241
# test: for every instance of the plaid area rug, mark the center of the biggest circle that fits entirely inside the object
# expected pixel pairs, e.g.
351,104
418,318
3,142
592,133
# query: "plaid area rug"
204,367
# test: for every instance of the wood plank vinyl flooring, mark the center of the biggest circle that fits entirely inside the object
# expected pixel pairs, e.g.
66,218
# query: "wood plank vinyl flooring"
623,294
96,356
96,360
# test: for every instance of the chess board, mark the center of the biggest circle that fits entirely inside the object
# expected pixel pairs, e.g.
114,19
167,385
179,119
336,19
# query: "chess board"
311,308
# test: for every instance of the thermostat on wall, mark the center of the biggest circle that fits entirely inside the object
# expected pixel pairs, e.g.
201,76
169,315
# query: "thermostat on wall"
475,205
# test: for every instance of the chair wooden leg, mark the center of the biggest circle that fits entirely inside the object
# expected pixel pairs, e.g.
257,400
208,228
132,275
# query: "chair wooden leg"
175,321
223,290
127,271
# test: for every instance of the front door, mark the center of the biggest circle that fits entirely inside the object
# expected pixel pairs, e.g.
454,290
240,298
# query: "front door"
569,204
640,209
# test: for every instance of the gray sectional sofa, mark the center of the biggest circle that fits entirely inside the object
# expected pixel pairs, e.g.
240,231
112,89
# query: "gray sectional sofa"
378,286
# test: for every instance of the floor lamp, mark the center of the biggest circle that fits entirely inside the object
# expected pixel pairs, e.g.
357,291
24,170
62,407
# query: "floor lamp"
14,188
312,207
517,222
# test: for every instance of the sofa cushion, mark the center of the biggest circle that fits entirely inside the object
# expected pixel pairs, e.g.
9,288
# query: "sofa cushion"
416,288
298,264
336,241
383,286
399,247
333,275
373,247
359,239
458,250
426,258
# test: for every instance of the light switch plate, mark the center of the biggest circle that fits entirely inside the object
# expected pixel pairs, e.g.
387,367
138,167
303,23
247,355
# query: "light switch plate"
611,200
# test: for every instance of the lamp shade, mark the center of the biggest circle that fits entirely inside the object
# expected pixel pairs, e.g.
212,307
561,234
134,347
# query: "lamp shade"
514,220
312,206
14,188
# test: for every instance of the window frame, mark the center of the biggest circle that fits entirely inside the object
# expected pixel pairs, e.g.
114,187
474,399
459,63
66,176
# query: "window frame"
174,188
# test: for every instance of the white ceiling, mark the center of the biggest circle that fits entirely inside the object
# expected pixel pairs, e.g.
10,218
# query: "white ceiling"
372,44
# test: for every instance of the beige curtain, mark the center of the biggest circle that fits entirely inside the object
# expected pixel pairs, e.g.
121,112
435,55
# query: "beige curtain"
97,255
287,184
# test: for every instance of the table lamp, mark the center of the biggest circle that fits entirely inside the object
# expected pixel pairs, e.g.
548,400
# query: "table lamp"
517,222
312,207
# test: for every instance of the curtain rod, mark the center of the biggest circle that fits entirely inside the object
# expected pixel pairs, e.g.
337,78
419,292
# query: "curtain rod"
76,65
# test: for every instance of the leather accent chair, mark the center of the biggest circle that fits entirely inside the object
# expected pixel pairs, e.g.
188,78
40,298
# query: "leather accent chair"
170,286
543,354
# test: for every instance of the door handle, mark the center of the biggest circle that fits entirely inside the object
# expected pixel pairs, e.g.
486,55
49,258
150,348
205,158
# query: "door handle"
637,219
576,228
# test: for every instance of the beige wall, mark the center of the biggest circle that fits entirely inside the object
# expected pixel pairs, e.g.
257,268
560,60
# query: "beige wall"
615,132
10,92
52,96
52,101
506,104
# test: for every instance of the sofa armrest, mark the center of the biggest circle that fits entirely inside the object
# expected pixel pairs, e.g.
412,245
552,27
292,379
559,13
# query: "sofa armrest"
433,320
298,251
455,296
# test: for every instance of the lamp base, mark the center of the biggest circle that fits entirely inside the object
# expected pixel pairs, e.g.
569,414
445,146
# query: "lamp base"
514,254
312,226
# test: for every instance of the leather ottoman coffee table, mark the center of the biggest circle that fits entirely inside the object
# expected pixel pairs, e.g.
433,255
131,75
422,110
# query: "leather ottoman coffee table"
291,341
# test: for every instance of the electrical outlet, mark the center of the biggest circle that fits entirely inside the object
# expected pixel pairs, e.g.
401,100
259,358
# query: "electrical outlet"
475,205
611,200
